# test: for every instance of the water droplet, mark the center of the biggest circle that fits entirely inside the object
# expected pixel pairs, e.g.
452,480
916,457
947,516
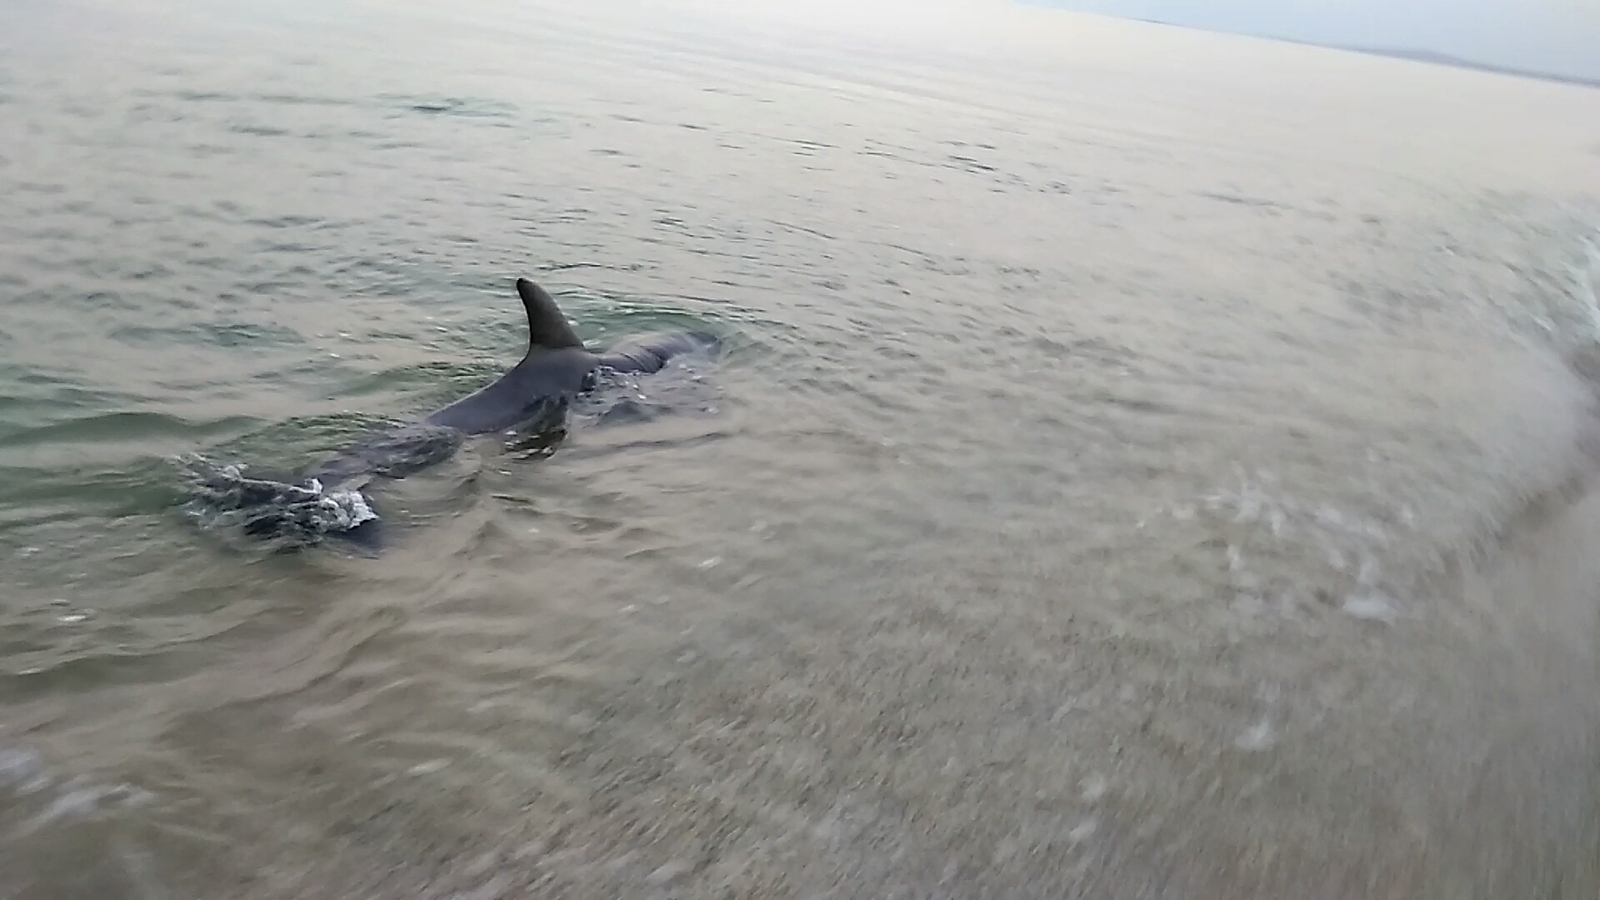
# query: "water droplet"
1259,736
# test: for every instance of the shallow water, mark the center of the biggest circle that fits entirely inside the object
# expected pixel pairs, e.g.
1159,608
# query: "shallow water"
1147,463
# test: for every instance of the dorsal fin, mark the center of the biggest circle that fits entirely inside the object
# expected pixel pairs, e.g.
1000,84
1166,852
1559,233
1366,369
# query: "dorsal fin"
547,327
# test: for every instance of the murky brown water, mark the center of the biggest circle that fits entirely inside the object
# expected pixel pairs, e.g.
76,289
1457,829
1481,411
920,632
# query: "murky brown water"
1150,464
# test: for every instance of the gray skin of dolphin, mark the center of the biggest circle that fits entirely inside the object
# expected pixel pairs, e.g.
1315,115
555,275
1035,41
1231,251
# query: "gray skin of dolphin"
556,368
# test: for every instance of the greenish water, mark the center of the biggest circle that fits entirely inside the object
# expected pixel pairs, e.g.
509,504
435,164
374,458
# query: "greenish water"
1148,463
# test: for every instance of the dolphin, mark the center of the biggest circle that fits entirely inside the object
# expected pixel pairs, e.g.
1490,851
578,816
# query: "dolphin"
556,368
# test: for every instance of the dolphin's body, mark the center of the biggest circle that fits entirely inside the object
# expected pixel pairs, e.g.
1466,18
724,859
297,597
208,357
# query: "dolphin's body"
537,390
556,368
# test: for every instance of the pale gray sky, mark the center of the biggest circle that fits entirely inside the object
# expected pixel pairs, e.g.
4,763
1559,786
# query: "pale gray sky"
1560,36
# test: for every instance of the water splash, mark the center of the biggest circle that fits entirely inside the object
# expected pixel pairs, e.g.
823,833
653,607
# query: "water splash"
1276,545
1556,299
290,514
1585,275
623,397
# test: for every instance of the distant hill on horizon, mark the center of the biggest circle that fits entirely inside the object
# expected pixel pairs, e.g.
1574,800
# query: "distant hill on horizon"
1445,59
1423,56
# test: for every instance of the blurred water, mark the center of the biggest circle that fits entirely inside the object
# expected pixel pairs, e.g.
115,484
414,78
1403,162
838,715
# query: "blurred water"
1148,464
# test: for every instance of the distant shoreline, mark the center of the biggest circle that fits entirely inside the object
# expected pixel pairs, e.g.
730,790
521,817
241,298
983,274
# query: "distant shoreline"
1445,59
1422,56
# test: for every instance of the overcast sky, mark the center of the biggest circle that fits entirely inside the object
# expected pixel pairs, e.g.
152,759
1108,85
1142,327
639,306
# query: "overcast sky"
1561,36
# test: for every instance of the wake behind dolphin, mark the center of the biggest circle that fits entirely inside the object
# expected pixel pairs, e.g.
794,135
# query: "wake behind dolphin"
328,499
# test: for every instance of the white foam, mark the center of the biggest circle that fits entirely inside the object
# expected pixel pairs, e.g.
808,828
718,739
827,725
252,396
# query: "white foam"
1257,737
350,507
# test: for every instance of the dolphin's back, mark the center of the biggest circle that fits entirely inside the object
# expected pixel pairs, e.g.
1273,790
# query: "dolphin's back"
535,388
392,452
650,353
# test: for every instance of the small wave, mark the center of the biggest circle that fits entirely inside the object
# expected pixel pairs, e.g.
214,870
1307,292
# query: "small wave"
1580,301
1554,300
23,777
1585,276
301,100
254,130
231,335
467,107
116,427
